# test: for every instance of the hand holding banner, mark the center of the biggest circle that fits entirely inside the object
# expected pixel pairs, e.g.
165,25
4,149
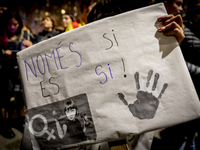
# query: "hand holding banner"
104,81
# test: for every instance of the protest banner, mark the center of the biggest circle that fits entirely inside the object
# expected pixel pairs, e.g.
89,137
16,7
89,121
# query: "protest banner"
141,141
106,80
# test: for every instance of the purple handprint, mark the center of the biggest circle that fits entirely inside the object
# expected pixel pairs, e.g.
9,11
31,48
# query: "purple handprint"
147,102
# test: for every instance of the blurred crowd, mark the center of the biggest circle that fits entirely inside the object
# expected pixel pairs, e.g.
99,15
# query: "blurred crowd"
16,36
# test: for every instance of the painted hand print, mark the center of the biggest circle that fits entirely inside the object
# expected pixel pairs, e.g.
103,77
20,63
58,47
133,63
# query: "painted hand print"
148,95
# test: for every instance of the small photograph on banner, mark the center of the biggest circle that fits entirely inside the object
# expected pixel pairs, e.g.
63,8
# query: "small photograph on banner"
62,123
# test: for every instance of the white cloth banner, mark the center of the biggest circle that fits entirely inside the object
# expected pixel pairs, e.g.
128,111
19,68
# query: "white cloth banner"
139,142
115,77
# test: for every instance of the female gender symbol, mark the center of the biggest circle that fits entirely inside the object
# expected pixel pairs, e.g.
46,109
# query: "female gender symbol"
44,129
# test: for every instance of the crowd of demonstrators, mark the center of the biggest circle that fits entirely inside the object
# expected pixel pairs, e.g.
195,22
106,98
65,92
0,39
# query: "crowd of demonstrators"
14,37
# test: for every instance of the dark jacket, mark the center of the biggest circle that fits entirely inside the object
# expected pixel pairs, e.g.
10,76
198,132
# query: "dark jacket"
190,47
44,35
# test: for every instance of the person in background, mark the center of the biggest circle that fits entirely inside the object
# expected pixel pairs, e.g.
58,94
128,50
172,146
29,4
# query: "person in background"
191,51
173,6
66,20
173,25
5,130
48,31
86,7
184,134
191,44
14,39
14,31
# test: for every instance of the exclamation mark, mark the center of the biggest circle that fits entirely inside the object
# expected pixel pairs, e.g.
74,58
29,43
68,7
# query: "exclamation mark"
123,67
